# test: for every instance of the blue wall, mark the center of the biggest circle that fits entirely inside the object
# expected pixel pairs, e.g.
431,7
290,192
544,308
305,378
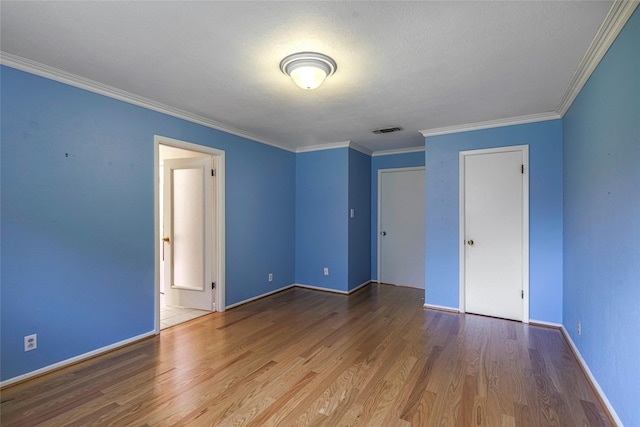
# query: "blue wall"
545,212
602,222
322,218
389,161
360,225
77,247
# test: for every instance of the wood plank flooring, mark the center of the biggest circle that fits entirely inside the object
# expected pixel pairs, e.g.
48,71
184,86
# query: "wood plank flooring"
300,357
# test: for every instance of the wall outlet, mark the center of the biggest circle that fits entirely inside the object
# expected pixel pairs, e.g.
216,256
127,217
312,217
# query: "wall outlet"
30,342
326,271
352,213
271,277
579,327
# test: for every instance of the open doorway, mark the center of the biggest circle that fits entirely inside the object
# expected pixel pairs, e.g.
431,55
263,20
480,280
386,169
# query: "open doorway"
189,230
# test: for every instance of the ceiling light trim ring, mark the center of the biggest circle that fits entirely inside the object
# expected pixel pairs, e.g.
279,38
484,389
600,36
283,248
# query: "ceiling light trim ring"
308,59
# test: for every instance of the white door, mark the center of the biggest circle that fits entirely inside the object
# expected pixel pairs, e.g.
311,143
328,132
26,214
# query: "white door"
187,232
401,226
494,232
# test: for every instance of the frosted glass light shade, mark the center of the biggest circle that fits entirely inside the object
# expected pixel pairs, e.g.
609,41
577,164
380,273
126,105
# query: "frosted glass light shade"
308,69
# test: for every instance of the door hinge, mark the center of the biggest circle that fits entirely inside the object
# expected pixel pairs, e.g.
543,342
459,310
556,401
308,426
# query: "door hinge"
213,172
522,294
213,285
522,168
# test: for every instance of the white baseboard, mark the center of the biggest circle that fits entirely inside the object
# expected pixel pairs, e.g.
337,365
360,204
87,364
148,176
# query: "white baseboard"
75,359
362,285
592,379
334,291
266,294
319,288
441,308
545,324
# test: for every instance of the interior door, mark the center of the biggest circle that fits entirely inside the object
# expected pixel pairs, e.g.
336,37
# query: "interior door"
402,227
494,263
187,232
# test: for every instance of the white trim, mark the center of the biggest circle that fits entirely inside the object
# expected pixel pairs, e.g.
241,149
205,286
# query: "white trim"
594,382
545,324
360,148
334,291
440,308
378,227
320,288
322,147
362,285
333,146
525,222
65,77
266,294
509,121
616,18
299,285
220,244
76,359
397,151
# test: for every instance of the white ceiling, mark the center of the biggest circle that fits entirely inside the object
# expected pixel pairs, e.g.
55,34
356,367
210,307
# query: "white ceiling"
419,65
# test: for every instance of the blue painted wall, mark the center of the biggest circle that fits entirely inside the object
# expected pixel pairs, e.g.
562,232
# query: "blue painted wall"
77,247
322,196
389,161
602,222
545,212
360,224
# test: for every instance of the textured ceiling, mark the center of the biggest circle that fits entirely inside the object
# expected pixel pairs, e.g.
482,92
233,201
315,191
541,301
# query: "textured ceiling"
417,65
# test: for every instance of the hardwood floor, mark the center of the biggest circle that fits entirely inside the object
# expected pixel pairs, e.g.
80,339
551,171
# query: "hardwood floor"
301,357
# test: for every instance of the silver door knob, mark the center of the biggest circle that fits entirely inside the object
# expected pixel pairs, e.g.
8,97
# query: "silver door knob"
470,242
383,233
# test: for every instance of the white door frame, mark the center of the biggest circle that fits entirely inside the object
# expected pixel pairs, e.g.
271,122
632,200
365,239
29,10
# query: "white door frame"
380,172
219,206
525,222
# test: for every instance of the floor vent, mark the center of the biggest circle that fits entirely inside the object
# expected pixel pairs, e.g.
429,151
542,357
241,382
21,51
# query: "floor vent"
387,130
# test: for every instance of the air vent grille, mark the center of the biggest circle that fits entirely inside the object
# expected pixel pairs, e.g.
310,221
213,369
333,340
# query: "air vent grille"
387,130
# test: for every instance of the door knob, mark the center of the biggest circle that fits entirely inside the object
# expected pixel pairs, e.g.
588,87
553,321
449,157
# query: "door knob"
165,239
383,233
470,242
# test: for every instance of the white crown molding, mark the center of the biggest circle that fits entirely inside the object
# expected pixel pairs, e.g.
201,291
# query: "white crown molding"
509,121
360,148
321,147
333,146
33,67
616,18
397,151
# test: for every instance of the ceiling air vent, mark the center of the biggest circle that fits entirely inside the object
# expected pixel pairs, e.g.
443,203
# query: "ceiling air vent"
387,130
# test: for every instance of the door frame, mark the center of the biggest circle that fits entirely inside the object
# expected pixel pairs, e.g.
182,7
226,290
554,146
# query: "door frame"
219,213
378,227
524,149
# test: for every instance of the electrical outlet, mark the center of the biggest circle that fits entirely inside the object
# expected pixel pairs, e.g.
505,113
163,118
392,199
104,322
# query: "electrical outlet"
326,271
352,213
579,327
30,342
271,277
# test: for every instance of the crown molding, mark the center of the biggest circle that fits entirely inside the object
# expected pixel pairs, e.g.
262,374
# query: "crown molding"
616,18
360,148
397,151
509,121
321,147
51,73
333,146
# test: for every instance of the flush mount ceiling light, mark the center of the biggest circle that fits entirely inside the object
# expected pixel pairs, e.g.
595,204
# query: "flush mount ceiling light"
308,69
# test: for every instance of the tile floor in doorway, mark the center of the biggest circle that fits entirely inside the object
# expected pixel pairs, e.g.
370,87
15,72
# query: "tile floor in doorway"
172,315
